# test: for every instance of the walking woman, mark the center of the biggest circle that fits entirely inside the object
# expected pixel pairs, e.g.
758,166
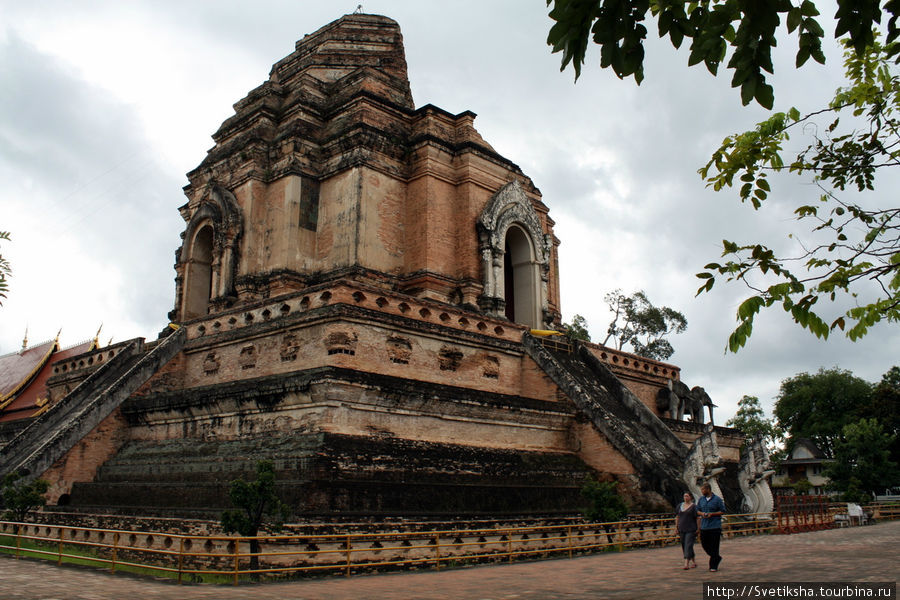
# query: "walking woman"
686,525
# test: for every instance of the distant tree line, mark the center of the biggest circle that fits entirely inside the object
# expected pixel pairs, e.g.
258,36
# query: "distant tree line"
856,425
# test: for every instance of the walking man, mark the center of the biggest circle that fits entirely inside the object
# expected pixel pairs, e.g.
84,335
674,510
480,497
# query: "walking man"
710,509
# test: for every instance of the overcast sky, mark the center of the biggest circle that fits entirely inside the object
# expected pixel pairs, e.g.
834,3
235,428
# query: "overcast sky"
104,106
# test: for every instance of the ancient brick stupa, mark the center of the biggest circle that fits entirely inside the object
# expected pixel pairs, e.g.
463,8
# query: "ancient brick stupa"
355,289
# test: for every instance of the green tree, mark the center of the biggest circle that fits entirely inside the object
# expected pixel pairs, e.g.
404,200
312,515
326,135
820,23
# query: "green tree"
751,420
884,405
19,496
863,459
744,33
802,487
257,503
636,322
577,329
604,504
5,270
854,250
818,406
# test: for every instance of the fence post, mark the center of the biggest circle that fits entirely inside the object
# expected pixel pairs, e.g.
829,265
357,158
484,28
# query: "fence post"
62,534
180,559
18,539
437,552
349,558
569,539
509,546
115,553
237,558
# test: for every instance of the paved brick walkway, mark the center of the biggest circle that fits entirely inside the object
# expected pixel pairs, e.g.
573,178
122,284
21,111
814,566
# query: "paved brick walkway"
859,554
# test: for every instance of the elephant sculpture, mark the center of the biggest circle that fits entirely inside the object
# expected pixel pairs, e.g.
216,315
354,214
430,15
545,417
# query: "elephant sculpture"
667,401
701,399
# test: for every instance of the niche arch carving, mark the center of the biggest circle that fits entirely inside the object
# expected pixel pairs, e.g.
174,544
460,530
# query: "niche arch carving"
208,258
511,209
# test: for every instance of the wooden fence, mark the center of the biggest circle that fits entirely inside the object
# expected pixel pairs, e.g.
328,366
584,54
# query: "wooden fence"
413,546
220,558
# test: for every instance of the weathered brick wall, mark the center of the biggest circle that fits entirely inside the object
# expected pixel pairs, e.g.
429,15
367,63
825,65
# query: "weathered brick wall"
596,451
368,330
85,458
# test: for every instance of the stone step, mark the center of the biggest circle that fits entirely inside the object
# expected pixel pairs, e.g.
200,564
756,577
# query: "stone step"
656,453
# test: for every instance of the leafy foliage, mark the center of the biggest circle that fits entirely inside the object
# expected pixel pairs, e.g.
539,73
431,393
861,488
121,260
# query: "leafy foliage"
5,270
818,406
862,459
860,257
577,329
19,497
604,505
802,486
256,502
641,325
751,420
744,33
884,404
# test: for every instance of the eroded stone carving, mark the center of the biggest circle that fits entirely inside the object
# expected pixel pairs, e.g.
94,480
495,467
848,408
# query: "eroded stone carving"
753,476
341,342
211,364
247,357
703,463
290,346
490,366
399,349
450,358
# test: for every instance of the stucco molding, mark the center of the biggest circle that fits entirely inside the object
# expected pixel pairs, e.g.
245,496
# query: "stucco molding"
508,207
219,209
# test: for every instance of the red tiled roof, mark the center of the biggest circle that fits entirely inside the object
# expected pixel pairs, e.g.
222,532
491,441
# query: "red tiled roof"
23,403
18,368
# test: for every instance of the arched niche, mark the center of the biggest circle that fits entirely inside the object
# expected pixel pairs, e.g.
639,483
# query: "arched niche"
198,276
515,256
208,258
521,278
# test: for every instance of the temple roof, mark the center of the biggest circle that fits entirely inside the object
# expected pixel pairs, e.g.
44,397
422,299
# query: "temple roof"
17,368
24,375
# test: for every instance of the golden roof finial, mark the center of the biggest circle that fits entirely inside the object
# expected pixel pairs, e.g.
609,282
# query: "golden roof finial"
25,340
96,343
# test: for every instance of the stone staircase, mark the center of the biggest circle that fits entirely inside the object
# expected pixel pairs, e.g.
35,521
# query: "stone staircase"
632,428
50,436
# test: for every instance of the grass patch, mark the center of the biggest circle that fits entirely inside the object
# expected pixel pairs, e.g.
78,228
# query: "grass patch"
79,555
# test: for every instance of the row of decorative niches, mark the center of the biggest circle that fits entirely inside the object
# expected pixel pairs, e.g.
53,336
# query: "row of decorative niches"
628,363
88,359
357,295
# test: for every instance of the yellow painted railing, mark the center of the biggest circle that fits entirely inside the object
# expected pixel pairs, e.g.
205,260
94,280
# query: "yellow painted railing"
228,558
